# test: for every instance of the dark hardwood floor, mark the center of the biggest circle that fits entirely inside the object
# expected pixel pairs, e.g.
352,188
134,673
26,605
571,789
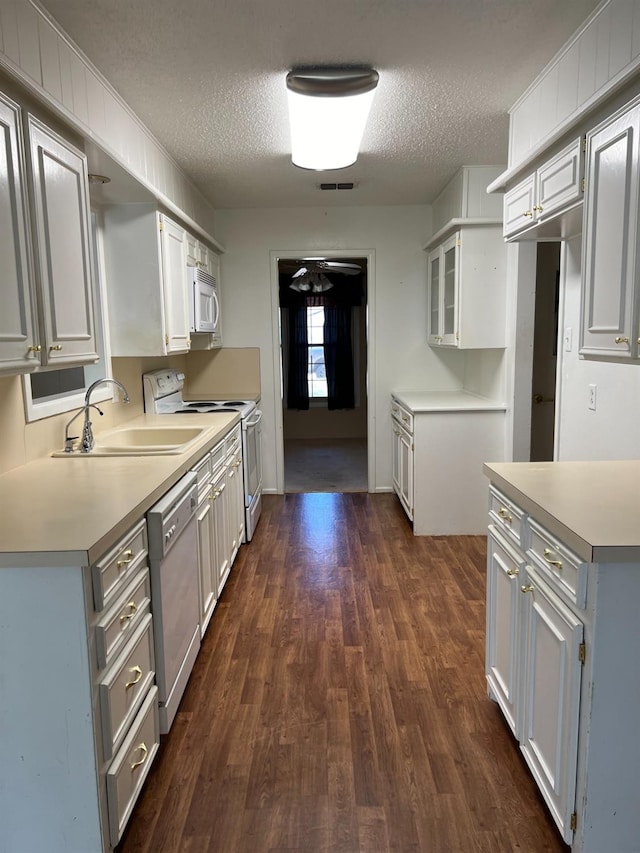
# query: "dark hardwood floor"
339,704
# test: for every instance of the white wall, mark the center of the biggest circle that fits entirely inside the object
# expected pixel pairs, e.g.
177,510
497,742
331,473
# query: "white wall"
611,432
401,358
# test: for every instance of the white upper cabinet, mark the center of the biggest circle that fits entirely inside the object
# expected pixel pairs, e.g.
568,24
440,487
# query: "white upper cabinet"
55,324
146,276
63,257
18,343
538,200
610,238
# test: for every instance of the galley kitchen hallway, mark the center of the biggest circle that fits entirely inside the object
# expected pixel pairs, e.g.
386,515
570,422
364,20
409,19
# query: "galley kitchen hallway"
338,703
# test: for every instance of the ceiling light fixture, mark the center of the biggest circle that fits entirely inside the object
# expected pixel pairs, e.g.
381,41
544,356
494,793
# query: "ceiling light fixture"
313,282
328,109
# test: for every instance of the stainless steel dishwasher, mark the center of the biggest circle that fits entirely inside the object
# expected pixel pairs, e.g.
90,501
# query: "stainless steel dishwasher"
173,558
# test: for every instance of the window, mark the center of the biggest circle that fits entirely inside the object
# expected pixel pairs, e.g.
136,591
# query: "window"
52,392
316,368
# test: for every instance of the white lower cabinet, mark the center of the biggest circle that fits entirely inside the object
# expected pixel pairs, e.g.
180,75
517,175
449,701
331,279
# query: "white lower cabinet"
402,465
561,662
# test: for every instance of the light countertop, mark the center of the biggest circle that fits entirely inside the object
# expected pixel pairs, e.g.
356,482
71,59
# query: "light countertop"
80,507
446,401
593,507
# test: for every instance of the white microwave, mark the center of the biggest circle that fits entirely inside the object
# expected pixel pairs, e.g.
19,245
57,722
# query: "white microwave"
204,304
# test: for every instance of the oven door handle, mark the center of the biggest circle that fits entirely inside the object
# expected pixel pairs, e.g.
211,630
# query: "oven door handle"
257,420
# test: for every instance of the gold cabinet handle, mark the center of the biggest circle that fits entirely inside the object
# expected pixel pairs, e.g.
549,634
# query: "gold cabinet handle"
504,513
621,340
528,213
548,555
512,573
35,349
527,588
134,670
130,613
238,463
145,752
127,557
538,207
55,348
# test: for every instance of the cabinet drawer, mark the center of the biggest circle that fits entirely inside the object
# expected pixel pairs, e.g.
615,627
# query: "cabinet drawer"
506,516
113,571
402,415
563,570
120,621
217,458
131,765
124,686
558,182
232,442
203,472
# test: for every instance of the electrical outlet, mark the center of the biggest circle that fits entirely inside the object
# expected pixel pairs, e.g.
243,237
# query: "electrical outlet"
592,397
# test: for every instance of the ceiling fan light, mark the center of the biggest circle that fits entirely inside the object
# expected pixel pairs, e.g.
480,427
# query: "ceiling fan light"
328,111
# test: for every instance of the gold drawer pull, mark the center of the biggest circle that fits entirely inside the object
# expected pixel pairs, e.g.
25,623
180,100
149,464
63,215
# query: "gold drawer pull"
55,348
145,752
548,554
621,340
238,463
528,213
527,588
504,513
133,609
538,207
512,573
127,557
134,670
34,349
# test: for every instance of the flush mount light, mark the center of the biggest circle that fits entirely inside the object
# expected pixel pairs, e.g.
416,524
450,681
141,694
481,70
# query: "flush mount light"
328,110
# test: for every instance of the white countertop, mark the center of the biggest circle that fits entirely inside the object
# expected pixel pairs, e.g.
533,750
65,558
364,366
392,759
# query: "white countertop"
593,507
446,401
80,507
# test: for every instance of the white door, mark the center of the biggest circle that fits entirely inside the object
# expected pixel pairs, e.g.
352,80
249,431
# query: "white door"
63,254
18,346
610,237
503,627
175,285
551,697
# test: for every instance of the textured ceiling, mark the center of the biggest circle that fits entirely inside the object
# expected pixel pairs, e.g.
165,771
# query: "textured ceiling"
207,78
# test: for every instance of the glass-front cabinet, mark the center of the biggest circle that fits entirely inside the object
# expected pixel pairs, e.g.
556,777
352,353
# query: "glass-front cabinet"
443,292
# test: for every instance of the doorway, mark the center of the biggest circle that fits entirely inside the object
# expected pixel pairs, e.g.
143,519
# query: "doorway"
322,308
545,352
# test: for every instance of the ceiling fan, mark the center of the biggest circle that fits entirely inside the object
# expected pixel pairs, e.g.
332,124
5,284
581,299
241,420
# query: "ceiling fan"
309,275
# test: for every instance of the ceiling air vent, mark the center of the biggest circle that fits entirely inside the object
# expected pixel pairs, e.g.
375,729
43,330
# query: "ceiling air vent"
348,186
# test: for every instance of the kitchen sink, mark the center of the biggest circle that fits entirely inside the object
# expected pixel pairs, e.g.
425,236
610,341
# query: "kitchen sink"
140,441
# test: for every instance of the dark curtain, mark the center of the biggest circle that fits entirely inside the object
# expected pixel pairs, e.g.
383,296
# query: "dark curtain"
297,384
338,356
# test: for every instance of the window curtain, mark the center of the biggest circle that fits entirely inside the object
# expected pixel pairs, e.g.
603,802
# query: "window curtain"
338,356
297,383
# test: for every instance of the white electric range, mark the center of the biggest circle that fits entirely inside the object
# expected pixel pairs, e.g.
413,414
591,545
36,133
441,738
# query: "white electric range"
163,395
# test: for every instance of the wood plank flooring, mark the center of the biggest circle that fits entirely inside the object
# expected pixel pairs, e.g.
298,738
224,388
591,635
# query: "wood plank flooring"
339,704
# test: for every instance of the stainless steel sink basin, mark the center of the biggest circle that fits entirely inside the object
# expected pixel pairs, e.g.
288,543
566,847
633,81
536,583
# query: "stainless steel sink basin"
140,441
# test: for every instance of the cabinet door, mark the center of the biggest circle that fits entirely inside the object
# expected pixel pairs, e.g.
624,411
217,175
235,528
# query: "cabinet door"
221,549
503,626
450,290
206,567
610,238
236,504
63,255
403,468
192,250
434,333
559,181
551,697
518,207
18,347
175,285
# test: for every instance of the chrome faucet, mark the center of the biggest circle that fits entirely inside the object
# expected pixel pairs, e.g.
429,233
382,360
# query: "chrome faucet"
87,441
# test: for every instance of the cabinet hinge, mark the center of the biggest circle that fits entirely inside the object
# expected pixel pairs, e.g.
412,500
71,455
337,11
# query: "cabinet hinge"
584,144
458,242
583,184
574,821
160,227
582,652
166,340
